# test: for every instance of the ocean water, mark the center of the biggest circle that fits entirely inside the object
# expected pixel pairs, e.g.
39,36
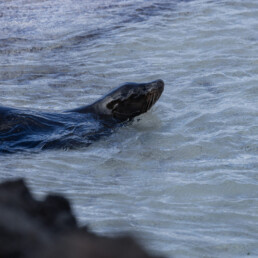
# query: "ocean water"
183,178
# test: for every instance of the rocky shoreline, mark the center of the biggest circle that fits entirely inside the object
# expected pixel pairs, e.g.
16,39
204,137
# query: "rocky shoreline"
31,228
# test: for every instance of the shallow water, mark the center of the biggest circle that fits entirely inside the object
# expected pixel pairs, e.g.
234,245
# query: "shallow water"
184,177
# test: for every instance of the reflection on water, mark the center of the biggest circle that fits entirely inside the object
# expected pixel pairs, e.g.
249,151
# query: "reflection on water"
184,177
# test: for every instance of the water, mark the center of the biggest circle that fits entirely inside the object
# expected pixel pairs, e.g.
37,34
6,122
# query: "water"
184,178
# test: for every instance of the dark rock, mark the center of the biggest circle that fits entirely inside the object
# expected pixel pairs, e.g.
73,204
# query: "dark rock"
48,229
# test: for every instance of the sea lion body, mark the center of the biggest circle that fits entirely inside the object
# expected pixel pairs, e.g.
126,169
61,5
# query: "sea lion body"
25,129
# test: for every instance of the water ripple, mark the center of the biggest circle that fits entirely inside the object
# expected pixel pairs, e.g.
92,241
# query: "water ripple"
184,177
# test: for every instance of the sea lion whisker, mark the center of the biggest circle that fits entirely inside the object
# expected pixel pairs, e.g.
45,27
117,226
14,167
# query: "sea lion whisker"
148,102
145,106
152,99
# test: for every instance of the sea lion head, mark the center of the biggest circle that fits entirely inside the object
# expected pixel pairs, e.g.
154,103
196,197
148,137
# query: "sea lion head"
129,100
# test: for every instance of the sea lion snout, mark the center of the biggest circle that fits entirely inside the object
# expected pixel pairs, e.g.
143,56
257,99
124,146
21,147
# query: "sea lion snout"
155,89
158,85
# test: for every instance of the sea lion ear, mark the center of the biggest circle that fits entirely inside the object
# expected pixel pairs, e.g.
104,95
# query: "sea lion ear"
112,104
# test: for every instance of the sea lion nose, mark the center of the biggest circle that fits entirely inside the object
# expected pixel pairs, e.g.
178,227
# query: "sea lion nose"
160,84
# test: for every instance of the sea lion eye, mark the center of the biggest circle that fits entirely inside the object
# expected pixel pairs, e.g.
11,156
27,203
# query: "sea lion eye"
112,104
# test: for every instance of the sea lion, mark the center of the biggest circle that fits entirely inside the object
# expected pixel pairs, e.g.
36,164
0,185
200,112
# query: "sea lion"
25,129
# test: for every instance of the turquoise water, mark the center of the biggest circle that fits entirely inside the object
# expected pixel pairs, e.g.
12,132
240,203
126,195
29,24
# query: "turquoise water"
183,178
